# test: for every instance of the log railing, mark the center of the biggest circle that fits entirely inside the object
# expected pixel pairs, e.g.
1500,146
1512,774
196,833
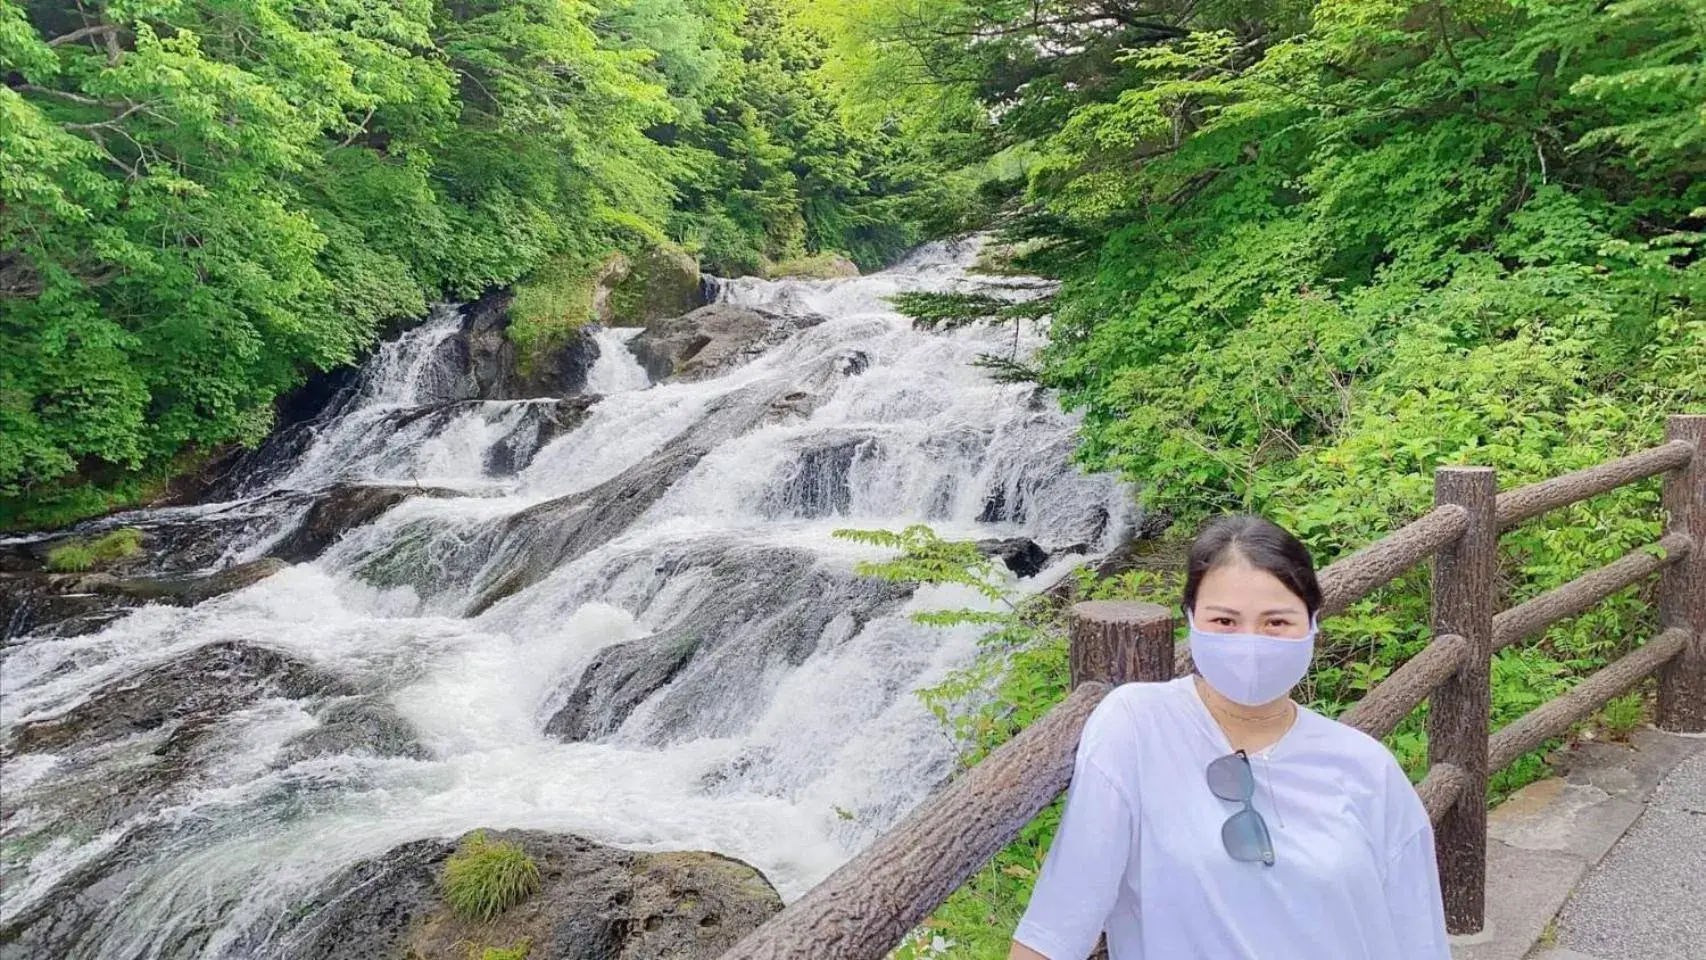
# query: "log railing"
863,910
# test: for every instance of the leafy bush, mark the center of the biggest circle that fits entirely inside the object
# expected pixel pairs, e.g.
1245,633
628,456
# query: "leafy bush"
484,878
76,556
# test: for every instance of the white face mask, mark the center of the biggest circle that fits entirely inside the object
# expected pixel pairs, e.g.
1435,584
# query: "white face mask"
1249,668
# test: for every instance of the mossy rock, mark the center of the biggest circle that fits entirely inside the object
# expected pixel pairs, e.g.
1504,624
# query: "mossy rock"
560,298
592,902
83,555
658,283
818,266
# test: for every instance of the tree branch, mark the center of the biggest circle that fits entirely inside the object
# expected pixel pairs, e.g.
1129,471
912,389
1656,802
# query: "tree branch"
79,34
73,97
105,123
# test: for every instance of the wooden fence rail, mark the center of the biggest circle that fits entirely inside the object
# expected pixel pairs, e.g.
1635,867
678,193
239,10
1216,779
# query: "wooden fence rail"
863,910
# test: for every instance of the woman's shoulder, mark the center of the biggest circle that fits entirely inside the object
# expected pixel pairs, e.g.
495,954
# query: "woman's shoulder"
1130,708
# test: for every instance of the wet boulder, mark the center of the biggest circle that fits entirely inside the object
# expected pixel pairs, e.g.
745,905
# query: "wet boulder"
341,509
820,481
360,726
711,340
549,420
594,902
186,693
754,610
1021,555
73,604
618,679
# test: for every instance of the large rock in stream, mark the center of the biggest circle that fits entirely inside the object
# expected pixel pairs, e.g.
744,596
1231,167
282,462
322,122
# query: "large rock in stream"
711,340
595,902
748,611
340,509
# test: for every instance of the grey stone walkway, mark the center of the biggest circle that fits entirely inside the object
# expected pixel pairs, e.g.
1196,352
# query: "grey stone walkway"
1604,862
1647,898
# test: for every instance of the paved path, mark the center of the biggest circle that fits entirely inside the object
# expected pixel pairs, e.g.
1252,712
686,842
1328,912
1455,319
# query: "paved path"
1647,898
1605,862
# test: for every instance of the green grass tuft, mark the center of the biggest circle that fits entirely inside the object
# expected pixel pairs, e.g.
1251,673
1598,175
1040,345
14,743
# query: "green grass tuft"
77,556
522,948
485,878
73,557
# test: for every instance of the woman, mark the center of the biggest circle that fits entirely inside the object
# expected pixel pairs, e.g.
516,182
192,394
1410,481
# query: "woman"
1212,818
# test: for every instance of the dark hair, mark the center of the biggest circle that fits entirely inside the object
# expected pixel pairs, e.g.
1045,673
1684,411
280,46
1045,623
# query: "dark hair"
1262,544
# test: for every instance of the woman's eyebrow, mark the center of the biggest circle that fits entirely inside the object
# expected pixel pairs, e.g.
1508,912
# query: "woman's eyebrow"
1264,613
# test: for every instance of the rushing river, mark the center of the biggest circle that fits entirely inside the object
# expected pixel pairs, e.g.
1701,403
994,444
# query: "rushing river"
640,630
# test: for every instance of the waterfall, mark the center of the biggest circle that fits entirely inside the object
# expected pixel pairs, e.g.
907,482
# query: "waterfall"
639,628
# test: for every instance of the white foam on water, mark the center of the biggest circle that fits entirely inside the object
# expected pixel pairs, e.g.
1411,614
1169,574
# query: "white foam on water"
789,762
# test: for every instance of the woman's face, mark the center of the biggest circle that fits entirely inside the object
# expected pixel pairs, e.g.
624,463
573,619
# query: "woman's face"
1238,598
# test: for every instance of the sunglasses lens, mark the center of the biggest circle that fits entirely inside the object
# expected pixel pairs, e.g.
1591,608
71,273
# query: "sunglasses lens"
1246,838
1230,778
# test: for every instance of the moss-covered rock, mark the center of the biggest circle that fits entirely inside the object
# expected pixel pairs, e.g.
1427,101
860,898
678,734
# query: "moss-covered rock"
657,283
592,902
817,266
549,308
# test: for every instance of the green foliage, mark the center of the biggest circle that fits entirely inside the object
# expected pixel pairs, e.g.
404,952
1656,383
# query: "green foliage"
551,304
77,556
484,878
201,202
1623,715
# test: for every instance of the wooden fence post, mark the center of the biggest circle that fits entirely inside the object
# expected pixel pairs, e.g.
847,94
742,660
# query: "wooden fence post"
1115,642
1118,641
1682,592
1464,599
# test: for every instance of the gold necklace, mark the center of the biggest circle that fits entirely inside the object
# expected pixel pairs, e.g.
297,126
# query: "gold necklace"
1225,716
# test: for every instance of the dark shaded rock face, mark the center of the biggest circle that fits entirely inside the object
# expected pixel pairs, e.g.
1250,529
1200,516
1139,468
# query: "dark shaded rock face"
553,419
711,340
341,509
1020,554
821,484
595,903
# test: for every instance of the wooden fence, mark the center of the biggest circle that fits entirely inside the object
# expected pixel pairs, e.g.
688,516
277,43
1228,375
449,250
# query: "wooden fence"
863,910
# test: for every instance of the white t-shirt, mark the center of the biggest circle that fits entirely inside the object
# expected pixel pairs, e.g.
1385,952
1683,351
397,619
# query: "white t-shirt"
1139,852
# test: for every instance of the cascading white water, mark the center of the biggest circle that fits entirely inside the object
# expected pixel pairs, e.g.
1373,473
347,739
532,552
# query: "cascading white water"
788,737
616,370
